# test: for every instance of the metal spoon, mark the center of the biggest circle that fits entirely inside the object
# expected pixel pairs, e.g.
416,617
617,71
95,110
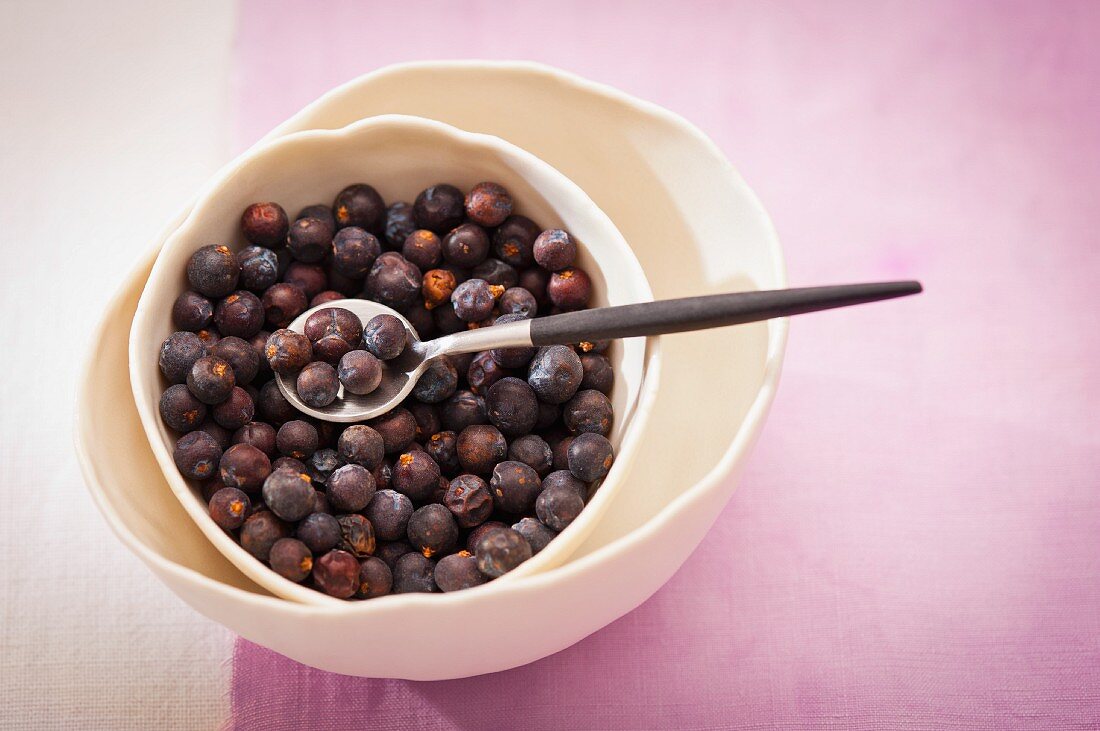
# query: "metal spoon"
625,321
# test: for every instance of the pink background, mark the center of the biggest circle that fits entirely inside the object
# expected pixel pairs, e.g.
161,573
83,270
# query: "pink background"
915,542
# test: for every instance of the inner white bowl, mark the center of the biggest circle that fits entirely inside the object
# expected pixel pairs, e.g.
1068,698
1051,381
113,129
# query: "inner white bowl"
399,156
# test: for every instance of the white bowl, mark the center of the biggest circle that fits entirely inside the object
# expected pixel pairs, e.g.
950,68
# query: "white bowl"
400,156
697,201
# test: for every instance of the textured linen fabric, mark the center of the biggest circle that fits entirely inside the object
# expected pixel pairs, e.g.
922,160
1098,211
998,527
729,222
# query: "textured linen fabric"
915,541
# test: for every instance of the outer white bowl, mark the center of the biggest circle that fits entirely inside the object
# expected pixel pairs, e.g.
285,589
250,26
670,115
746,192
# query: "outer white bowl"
400,156
668,183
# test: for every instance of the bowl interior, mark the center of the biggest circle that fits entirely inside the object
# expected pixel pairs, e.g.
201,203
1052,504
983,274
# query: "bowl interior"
400,156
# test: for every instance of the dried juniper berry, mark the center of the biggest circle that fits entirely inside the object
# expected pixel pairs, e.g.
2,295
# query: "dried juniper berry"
375,578
514,487
389,512
310,278
318,210
350,488
588,411
333,331
260,531
480,447
598,373
393,550
240,314
209,337
423,248
297,439
337,574
191,311
291,559
535,533
437,383
442,447
461,362
397,428
178,354
512,357
561,453
500,551
288,494
458,571
282,303
590,457
211,380
466,245
488,204
359,205
384,336
535,281
319,531
564,479
309,239
512,406
416,475
356,535
322,464
569,289
235,411
320,503
533,451
229,507
212,271
555,250
196,455
474,299
421,320
273,406
265,224
514,240
383,474
393,280
558,506
259,268
241,357
432,530
221,435
288,352
317,384
362,445
463,409
484,371
412,573
359,371
354,250
494,271
427,419
469,500
476,534
518,301
446,321
439,208
180,410
327,297
399,224
289,463
259,435
555,373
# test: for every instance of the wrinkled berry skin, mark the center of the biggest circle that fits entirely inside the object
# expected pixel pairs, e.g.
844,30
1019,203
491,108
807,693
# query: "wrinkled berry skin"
362,445
241,357
288,494
322,463
537,535
512,406
590,457
399,224
229,507
240,314
211,380
259,268
393,280
416,475
260,531
437,383
282,303
291,559
212,271
196,455
494,271
500,551
337,574
461,410
555,250
557,507
555,373
514,240
598,373
438,285
423,248
514,487
178,354
310,278
466,245
375,578
389,512
569,289
235,411
265,224
288,352
469,500
191,311
350,488
356,535
413,572
259,435
385,336
397,429
588,411
488,204
518,301
297,439
359,205
442,447
319,531
480,447
439,208
181,411
432,530
483,372
309,239
317,384
458,571
474,299
360,372
533,451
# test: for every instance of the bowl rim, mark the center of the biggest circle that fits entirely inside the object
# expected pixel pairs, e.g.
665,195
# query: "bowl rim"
638,409
743,439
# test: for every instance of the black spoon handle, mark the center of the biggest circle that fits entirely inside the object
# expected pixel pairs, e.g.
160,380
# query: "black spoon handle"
698,313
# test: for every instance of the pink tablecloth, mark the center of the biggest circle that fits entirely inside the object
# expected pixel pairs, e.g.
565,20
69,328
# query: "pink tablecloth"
916,542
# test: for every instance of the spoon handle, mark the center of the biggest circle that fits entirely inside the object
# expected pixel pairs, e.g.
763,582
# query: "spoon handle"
698,313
